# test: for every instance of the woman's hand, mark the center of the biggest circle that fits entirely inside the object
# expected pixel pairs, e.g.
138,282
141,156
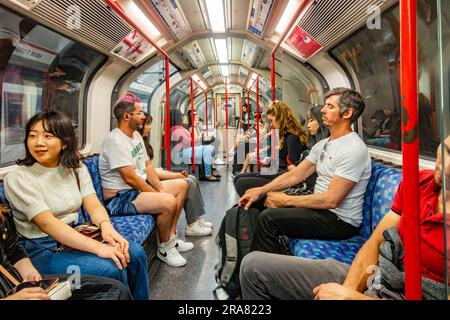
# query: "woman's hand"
112,252
35,293
184,174
27,271
115,240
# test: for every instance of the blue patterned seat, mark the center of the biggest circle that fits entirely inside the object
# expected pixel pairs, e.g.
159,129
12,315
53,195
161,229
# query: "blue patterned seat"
133,228
378,198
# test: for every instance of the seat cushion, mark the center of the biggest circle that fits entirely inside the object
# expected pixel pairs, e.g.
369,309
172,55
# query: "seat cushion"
134,228
343,250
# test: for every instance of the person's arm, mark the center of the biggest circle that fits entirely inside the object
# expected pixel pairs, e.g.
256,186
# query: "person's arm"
153,178
338,189
169,175
100,217
356,280
288,179
27,271
133,180
67,235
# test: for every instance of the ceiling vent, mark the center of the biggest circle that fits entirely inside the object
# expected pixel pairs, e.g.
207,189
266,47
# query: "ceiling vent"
98,25
327,21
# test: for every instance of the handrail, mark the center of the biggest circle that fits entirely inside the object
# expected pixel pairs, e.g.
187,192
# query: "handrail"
119,10
280,40
410,147
258,160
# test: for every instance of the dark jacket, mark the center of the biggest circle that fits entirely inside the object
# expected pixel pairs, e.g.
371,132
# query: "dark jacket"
10,252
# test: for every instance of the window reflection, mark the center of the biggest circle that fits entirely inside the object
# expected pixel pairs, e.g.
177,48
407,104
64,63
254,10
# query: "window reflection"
39,70
377,71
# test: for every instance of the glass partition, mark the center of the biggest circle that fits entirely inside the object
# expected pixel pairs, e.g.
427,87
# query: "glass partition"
39,70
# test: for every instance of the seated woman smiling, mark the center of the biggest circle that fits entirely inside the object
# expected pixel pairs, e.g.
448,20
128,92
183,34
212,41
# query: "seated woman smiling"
45,197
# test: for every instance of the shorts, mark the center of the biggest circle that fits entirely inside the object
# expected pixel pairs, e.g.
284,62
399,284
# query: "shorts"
121,204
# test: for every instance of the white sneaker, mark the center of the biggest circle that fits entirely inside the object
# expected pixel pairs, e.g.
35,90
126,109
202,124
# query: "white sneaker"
183,246
167,253
218,161
197,230
205,223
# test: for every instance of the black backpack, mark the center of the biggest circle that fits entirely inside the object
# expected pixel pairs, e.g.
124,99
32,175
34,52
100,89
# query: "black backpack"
233,241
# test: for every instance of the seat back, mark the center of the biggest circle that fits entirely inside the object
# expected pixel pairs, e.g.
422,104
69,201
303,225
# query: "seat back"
91,163
384,193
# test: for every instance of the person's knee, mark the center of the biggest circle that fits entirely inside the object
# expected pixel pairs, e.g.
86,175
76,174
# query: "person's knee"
136,252
250,263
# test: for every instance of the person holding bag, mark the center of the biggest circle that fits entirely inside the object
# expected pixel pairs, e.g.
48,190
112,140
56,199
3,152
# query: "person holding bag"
45,197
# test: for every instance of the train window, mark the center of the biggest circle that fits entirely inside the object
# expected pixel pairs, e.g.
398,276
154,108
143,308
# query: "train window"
148,81
377,73
39,70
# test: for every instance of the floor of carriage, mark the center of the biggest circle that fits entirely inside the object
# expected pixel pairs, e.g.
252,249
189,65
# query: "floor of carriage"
195,281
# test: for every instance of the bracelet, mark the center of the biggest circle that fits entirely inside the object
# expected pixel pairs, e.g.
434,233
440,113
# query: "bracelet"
100,223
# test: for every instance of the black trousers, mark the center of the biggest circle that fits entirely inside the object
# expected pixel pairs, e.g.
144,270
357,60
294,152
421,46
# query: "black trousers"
97,288
298,223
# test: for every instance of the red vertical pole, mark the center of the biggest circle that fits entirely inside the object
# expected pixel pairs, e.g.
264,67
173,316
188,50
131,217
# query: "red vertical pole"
248,109
167,137
410,130
192,127
272,76
258,160
206,111
226,115
214,110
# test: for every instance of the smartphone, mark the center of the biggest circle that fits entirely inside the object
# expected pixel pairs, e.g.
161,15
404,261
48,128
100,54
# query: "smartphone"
46,284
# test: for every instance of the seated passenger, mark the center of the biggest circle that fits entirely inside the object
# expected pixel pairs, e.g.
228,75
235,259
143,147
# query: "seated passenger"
194,207
292,142
199,136
183,148
317,132
271,276
343,167
14,259
131,185
45,196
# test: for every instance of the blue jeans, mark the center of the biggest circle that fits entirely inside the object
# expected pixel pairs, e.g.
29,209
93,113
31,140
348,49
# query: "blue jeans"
203,154
121,204
47,261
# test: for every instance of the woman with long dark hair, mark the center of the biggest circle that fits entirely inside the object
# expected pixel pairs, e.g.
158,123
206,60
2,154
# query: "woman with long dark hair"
292,139
194,206
45,193
183,148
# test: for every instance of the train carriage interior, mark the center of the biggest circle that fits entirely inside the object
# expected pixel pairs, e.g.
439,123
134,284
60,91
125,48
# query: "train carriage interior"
209,58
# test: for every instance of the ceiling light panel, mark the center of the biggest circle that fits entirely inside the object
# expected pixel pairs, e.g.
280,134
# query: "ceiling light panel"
258,16
195,53
222,50
216,15
225,71
140,18
171,14
287,15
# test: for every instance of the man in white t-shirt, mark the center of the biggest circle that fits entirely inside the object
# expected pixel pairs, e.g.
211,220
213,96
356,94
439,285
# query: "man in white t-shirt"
343,166
131,186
